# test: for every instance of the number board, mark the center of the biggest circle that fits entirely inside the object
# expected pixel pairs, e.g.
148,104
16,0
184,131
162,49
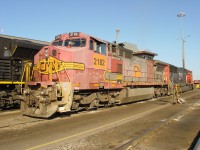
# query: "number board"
73,34
99,61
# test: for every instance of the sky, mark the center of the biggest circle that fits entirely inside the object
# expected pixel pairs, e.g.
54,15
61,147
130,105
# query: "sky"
150,24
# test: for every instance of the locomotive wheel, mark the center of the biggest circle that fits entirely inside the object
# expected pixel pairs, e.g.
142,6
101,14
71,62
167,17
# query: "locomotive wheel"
87,108
3,104
75,105
93,104
106,105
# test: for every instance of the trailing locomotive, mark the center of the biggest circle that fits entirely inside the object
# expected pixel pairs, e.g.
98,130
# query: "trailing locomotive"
15,55
10,76
81,71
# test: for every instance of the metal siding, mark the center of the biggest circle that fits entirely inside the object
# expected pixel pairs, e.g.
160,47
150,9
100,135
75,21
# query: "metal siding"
189,77
166,74
5,70
150,71
89,60
5,44
181,75
143,69
159,73
114,65
174,74
132,75
174,77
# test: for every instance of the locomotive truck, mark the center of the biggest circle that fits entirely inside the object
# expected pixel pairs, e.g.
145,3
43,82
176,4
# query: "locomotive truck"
79,71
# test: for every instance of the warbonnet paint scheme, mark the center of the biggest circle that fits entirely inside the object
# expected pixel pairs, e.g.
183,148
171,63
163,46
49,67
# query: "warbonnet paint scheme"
79,71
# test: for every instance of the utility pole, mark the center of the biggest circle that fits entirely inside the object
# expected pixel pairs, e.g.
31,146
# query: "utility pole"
181,15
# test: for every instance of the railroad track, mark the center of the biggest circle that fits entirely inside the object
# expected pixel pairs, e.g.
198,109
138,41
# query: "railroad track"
8,111
10,120
155,128
21,123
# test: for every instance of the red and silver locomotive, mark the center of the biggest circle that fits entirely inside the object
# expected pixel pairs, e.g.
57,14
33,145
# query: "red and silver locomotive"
81,71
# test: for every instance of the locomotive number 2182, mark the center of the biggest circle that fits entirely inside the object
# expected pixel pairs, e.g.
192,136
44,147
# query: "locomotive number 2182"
99,62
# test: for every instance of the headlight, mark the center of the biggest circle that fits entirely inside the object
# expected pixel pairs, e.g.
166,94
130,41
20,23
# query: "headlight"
46,52
41,92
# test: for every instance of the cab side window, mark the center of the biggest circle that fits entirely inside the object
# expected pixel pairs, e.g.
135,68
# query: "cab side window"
97,46
101,48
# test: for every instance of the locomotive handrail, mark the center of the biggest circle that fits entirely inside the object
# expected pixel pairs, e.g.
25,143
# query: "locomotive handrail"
66,72
26,71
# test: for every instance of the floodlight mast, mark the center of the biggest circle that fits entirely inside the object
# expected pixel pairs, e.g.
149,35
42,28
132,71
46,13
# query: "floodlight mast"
181,15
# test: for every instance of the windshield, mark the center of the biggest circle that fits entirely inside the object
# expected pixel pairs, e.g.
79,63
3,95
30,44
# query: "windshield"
57,43
75,42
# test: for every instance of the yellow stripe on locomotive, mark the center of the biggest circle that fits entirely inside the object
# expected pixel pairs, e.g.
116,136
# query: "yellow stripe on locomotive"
53,65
